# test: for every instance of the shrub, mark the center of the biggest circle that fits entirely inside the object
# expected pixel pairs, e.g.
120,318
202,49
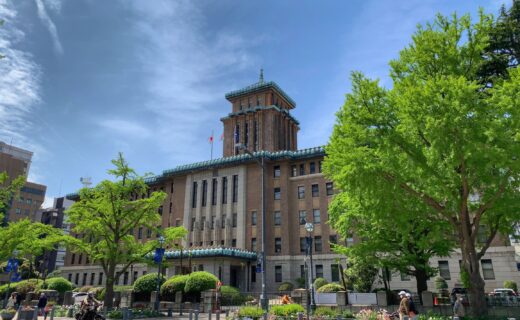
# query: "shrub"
3,289
85,288
54,274
346,314
25,286
440,283
59,284
509,284
254,313
300,282
325,312
172,285
285,286
231,296
287,310
331,287
319,282
147,283
200,281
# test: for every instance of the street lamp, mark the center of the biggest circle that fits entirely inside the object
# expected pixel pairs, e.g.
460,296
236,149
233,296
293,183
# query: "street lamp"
310,228
13,268
159,252
263,297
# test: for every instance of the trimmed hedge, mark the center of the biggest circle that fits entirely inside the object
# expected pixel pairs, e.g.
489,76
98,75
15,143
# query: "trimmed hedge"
254,313
231,296
172,285
30,285
287,310
285,286
147,283
59,284
319,282
200,281
331,287
325,312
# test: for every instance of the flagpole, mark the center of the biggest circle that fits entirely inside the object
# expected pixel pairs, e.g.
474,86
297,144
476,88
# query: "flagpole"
212,138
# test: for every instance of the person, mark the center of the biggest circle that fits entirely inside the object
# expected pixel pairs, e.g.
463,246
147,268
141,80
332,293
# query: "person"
42,303
286,299
458,307
11,302
412,310
88,307
403,306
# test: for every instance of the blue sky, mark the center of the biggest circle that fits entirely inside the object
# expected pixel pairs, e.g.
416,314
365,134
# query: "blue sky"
84,79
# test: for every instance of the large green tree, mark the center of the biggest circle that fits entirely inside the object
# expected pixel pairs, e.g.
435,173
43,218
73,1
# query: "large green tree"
394,238
437,139
106,216
8,191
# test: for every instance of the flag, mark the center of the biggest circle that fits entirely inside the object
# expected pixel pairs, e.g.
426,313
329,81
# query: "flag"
210,140
222,136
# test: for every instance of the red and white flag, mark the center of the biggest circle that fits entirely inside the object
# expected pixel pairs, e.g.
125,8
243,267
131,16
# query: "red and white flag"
222,136
210,140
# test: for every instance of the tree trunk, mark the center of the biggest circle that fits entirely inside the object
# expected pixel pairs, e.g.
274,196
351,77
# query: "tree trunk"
421,277
477,301
109,292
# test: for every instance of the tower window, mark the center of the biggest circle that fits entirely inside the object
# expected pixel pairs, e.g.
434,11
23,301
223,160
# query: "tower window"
224,190
301,192
302,169
294,172
276,171
312,168
235,188
315,190
277,245
330,188
194,195
277,218
204,192
214,192
277,194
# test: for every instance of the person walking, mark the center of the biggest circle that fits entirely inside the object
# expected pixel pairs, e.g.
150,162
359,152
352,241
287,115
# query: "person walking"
412,310
42,303
458,307
11,302
403,306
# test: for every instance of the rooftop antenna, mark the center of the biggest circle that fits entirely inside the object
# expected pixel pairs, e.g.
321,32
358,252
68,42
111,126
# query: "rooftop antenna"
261,79
85,181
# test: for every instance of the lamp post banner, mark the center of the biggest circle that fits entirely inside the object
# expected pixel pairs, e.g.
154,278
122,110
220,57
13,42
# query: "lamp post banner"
158,257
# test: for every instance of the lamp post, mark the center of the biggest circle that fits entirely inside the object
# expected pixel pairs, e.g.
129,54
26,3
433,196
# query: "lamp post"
13,264
263,296
159,258
310,228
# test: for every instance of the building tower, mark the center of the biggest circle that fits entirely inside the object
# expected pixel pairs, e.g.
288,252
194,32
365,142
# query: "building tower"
260,119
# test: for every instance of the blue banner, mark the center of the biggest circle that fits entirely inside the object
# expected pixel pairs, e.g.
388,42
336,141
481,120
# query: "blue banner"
158,257
16,277
12,265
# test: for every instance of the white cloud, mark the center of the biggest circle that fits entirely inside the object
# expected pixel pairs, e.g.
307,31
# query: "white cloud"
19,83
44,17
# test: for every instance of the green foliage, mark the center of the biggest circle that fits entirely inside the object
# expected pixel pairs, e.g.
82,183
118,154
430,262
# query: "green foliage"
300,282
115,314
59,284
85,288
172,285
325,312
200,281
330,287
9,189
231,296
464,278
254,313
99,292
107,214
285,286
25,286
510,284
54,274
319,282
361,273
440,283
286,310
347,314
148,283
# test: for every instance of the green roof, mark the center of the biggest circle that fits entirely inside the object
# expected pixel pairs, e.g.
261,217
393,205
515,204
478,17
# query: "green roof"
259,86
259,108
210,253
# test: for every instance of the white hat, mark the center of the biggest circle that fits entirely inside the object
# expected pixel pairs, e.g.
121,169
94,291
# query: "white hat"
408,295
402,293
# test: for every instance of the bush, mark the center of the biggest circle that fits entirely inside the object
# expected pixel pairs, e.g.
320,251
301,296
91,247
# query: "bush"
59,284
172,285
509,284
231,296
25,286
147,283
300,282
85,288
200,281
325,312
3,289
285,286
331,287
254,313
440,284
347,314
287,310
319,282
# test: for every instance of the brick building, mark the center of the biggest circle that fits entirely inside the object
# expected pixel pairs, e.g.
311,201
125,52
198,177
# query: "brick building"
219,203
16,161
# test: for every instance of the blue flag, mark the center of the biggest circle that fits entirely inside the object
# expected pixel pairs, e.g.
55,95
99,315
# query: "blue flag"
158,257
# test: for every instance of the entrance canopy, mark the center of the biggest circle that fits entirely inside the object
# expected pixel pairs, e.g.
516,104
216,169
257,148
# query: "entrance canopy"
211,253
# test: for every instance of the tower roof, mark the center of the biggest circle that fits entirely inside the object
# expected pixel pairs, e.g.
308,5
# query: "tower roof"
260,86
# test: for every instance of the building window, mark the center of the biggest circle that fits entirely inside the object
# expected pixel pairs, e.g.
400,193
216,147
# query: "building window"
223,221
277,218
194,195
334,272
405,276
302,217
192,227
18,211
213,222
277,194
315,190
233,243
80,259
204,192
318,245
84,281
302,169
330,188
214,192
177,222
278,273
277,245
171,207
29,201
134,277
237,130
294,171
302,271
253,218
301,192
76,280
224,190
149,233
276,171
319,166
349,241
487,269
72,258
312,168
333,239
444,270
171,188
140,233
316,216
202,223
253,274
319,271
69,277
92,276
253,244
235,188
246,127
303,245
234,221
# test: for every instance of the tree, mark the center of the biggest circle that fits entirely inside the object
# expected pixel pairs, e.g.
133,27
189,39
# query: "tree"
106,217
437,140
398,240
8,191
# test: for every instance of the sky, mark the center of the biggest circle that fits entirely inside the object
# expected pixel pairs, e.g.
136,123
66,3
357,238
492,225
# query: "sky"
85,79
